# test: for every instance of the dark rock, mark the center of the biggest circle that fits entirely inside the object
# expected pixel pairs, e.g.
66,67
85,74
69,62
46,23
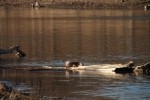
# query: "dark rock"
124,70
130,64
128,69
146,68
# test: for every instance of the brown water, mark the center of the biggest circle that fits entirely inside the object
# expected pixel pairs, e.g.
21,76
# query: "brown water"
101,39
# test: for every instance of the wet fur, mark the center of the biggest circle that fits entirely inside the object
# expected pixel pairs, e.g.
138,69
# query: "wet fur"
73,64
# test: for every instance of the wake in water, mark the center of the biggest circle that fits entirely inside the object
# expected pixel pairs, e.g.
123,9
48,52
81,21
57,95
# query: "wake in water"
99,68
106,70
77,67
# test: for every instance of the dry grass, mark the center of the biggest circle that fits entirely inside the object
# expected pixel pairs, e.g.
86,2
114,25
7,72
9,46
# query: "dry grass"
19,96
16,96
113,4
7,93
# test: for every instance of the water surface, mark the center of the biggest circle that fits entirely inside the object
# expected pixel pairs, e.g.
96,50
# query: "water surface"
102,39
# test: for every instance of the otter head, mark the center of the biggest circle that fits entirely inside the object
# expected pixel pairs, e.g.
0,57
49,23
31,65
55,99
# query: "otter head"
73,64
67,64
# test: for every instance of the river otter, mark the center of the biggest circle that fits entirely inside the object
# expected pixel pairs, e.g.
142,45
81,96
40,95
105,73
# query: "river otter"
73,64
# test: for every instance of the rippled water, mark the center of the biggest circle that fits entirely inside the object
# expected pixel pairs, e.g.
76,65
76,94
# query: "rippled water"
102,39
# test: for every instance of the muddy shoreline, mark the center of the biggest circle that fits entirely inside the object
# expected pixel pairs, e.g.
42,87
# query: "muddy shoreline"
76,4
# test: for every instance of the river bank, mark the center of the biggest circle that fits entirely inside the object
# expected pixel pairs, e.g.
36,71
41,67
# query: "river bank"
78,4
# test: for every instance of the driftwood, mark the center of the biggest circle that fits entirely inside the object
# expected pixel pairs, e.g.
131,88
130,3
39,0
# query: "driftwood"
20,53
16,48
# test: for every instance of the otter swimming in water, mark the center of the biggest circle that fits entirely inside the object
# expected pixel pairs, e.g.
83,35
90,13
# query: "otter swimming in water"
73,64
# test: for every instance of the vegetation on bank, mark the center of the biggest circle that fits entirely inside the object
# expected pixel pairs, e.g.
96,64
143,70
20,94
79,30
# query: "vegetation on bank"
83,4
7,93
